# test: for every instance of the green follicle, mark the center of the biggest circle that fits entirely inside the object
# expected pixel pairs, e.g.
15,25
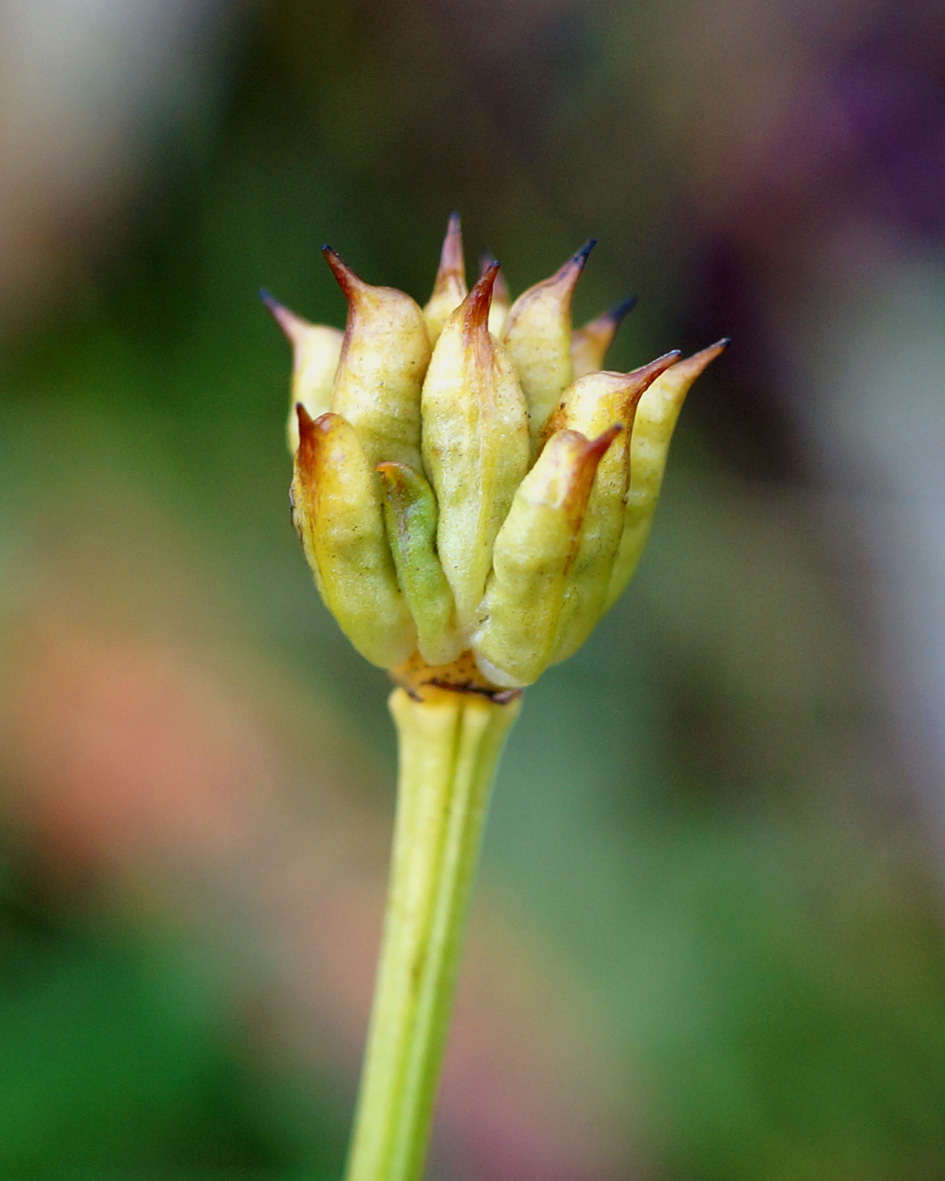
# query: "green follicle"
537,334
337,511
475,444
382,365
437,527
656,418
533,555
410,516
589,405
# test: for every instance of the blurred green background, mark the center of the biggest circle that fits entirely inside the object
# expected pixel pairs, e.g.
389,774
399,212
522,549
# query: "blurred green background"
708,939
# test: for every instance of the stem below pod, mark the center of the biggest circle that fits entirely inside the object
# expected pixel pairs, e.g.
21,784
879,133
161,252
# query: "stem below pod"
450,744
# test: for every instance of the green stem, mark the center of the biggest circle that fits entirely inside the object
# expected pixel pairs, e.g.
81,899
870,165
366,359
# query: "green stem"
450,744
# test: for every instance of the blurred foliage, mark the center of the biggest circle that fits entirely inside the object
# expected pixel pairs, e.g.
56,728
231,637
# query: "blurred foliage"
701,812
118,1056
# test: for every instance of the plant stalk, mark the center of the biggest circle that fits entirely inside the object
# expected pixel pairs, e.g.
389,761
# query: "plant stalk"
450,742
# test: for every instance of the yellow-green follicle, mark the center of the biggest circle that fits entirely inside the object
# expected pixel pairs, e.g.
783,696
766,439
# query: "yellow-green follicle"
410,515
590,405
316,349
532,559
475,445
380,373
337,511
656,418
537,333
450,289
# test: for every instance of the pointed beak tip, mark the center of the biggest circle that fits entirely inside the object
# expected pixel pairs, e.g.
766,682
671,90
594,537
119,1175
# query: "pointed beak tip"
621,310
581,256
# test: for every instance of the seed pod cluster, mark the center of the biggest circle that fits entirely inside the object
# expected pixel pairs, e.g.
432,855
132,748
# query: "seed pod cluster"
471,489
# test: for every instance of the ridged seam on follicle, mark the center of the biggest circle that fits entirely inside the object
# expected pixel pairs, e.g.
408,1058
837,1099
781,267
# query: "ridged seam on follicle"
588,405
533,555
410,515
338,514
475,444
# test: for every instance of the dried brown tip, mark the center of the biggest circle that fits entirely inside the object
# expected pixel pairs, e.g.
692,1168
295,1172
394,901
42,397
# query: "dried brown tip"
587,454
306,422
594,451
597,448
308,444
452,267
293,326
348,281
309,455
500,290
310,428
479,299
647,374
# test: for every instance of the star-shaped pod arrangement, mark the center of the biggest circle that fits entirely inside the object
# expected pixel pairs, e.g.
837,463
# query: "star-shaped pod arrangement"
472,489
